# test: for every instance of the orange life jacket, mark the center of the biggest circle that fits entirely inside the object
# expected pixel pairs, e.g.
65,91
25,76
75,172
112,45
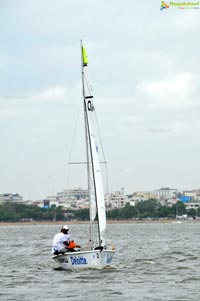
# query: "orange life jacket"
71,244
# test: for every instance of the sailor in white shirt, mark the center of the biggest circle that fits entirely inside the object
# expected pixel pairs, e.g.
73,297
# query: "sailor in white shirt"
61,241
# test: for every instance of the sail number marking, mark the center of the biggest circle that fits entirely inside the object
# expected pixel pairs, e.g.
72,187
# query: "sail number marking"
90,106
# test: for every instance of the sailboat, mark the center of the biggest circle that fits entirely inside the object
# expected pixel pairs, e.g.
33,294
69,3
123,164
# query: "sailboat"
99,256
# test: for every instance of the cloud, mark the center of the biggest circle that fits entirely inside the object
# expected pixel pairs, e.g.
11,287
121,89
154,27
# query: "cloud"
51,95
55,96
174,91
4,60
8,113
188,20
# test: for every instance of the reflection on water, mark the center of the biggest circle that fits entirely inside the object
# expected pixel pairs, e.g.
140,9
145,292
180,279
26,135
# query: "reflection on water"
153,261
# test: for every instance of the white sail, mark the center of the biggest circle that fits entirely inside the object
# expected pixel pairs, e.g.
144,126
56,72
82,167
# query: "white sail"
93,209
96,193
98,183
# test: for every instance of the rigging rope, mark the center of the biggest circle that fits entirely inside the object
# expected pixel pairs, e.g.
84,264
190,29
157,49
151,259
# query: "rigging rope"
72,145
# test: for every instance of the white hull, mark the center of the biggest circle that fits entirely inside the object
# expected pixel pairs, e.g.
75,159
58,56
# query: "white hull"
94,259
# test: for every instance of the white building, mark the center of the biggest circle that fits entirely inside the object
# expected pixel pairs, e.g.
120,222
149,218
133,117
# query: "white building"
11,197
115,199
191,193
166,193
75,194
73,198
192,205
140,196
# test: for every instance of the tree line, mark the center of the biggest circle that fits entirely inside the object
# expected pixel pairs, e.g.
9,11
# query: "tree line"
15,212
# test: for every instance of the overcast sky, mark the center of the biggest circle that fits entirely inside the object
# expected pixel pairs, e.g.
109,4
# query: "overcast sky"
145,72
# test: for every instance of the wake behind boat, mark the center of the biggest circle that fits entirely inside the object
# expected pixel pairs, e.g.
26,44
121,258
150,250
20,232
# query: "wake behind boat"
98,256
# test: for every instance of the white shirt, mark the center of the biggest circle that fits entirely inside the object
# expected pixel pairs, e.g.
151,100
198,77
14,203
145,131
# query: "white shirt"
58,242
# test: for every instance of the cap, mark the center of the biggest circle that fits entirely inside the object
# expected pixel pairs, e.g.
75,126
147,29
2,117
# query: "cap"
65,227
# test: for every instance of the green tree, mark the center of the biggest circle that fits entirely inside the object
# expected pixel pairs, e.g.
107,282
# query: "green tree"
149,208
192,212
179,208
81,214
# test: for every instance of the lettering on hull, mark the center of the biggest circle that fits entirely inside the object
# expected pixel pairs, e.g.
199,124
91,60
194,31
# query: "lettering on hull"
78,260
109,259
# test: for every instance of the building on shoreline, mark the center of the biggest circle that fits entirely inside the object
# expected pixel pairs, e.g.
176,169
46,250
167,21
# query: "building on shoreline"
116,199
11,197
78,198
166,193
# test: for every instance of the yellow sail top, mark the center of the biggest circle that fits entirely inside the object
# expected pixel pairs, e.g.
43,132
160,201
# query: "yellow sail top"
84,56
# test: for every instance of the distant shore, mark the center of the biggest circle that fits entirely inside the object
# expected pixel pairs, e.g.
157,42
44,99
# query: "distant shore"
87,222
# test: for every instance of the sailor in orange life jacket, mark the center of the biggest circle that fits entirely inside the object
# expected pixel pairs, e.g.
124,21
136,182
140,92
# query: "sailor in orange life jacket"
61,242
70,245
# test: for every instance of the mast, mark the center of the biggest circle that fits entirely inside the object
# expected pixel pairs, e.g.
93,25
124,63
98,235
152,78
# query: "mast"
86,136
89,152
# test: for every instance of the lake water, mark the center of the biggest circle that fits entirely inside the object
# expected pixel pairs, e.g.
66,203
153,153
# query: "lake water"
154,261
